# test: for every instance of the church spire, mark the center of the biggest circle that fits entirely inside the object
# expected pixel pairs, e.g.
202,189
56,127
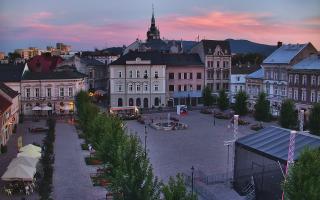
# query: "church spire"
153,21
153,32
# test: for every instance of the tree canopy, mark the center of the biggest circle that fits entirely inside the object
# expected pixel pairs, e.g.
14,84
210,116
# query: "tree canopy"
223,101
288,115
262,108
240,106
176,190
314,119
207,96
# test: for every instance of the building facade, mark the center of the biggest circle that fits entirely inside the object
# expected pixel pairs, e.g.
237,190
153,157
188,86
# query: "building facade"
304,82
216,56
184,79
254,86
50,93
238,79
276,68
138,79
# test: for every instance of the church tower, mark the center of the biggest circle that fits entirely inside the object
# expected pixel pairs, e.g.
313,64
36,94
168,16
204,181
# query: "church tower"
153,32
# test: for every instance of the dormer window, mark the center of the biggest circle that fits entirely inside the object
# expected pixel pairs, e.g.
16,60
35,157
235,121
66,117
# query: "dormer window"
138,59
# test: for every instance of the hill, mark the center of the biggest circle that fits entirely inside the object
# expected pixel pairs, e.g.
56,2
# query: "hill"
246,46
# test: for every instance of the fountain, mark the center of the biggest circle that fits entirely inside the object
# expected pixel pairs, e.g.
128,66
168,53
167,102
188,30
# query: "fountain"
168,124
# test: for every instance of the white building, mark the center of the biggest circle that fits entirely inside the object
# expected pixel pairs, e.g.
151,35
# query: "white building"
238,79
276,68
138,79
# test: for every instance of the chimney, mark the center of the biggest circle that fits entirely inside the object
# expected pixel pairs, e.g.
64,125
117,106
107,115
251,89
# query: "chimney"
279,44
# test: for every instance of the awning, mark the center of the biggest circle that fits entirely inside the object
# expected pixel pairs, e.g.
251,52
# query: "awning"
100,92
36,108
30,147
187,94
67,107
19,172
32,154
27,161
47,108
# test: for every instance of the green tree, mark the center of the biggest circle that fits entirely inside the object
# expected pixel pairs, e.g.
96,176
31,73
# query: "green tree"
176,190
288,116
262,108
207,96
240,106
223,101
314,119
304,177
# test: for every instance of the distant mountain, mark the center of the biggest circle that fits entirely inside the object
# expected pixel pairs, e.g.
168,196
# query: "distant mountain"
114,50
245,46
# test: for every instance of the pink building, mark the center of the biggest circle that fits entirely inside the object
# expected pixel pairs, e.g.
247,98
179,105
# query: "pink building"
184,79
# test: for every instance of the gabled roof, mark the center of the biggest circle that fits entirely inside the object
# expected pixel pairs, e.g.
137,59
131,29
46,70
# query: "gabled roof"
284,54
310,63
10,92
273,142
244,69
52,75
4,104
182,59
259,74
44,63
153,56
11,72
210,45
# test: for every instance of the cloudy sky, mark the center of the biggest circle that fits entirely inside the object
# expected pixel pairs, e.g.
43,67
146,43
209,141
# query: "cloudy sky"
86,24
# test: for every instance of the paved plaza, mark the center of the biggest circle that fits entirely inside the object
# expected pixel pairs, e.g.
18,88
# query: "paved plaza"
71,178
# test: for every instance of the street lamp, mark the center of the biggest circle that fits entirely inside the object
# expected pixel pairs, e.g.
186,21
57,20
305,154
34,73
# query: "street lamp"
214,117
192,172
145,140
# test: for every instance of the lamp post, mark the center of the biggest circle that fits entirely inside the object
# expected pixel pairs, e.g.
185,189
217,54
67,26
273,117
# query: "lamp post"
214,117
192,172
145,140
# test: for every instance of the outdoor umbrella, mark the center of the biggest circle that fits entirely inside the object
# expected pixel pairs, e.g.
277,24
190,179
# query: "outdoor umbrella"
30,147
36,108
32,154
46,108
27,161
19,172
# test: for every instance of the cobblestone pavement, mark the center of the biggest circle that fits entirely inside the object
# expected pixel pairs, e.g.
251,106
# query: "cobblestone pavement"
201,145
27,138
71,178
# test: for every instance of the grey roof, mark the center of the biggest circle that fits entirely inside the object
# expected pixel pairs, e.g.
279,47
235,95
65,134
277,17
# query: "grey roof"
310,63
52,75
91,61
284,54
259,74
210,45
11,72
244,69
10,92
182,59
273,142
153,56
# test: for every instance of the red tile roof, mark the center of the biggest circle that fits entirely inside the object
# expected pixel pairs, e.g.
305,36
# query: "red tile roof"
44,63
4,104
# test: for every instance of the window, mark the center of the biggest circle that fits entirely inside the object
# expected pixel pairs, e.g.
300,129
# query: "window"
156,74
120,74
138,74
304,80
283,91
313,80
130,74
48,92
198,87
275,75
303,95
37,92
156,87
218,64
27,92
218,86
119,88
296,79
284,77
238,78
61,92
145,73
70,91
171,76
190,87
290,78
295,94
91,74
179,76
290,93
236,88
171,88
179,88
313,96
130,87
138,87
218,75
268,88
318,80
185,76
145,87
185,88
198,75
190,75
318,100
276,90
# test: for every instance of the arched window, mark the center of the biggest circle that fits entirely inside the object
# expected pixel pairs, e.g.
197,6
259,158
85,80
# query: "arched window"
131,102
120,102
138,102
145,103
156,101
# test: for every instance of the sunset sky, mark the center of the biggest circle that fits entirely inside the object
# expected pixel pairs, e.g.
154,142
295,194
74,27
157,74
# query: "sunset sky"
86,24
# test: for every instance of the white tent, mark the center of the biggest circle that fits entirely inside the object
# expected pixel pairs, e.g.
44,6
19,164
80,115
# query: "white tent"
46,108
30,147
36,108
32,154
27,161
19,172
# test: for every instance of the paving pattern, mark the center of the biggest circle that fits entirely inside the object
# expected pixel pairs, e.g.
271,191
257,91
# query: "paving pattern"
71,178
